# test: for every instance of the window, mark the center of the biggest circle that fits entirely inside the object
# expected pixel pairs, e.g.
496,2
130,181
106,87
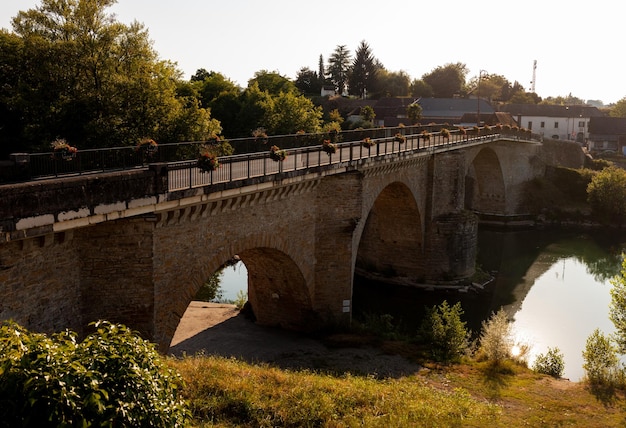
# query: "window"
581,124
556,125
530,124
543,124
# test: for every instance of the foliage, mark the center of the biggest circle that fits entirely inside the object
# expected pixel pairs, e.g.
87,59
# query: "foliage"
241,299
289,112
63,150
210,290
392,84
329,147
111,378
208,161
367,113
276,154
414,112
308,82
89,78
496,339
368,142
572,182
272,83
617,308
600,359
419,88
607,195
444,331
399,138
618,109
552,363
338,67
229,392
447,80
362,79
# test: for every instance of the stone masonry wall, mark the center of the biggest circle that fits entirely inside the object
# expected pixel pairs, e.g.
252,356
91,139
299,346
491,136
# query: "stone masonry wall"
40,283
116,261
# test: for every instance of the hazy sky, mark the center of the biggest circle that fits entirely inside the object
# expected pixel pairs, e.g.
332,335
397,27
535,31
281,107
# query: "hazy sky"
578,46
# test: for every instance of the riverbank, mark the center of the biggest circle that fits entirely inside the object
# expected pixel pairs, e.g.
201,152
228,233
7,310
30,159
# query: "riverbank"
334,381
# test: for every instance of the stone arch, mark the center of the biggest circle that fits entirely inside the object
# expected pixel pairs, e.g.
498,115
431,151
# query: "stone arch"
391,243
485,190
278,288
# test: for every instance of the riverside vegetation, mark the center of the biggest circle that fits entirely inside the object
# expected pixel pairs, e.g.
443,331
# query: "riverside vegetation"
115,378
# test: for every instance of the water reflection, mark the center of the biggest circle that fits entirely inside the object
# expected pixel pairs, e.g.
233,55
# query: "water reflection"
554,285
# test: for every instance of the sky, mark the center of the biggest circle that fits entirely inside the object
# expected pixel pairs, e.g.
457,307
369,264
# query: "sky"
578,46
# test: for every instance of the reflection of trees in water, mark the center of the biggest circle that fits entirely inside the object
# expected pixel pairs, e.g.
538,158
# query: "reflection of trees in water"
520,257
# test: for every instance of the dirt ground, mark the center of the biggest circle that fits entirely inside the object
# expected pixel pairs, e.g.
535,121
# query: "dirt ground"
219,329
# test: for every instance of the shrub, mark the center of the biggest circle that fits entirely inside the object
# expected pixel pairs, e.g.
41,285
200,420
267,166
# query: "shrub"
600,359
552,363
496,339
444,331
241,299
112,378
607,195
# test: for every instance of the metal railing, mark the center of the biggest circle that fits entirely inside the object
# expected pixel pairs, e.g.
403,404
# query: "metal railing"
304,152
186,174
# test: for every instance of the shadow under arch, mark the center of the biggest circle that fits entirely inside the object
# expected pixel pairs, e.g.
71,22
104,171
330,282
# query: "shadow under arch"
391,244
277,290
485,191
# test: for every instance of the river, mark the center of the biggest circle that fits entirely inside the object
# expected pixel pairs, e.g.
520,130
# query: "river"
554,286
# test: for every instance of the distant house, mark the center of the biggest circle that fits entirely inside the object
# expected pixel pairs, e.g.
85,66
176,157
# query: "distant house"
607,133
454,110
327,90
498,117
392,111
555,121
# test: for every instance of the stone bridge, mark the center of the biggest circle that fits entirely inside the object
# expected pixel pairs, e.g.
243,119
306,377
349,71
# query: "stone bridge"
126,247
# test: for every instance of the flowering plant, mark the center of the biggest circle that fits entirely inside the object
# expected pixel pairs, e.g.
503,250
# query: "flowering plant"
399,138
208,162
277,154
445,133
329,147
426,135
368,142
147,144
63,150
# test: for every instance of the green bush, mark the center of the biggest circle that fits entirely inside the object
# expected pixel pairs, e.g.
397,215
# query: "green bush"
551,363
600,359
496,341
112,378
444,331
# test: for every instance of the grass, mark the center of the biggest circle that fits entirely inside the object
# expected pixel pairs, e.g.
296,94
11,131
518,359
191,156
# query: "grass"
230,393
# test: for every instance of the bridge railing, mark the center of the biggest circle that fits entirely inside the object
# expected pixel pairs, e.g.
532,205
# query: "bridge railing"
186,174
31,166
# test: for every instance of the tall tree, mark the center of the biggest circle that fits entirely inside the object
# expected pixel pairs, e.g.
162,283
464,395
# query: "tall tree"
272,82
392,83
362,76
321,72
308,82
419,88
446,81
338,67
619,109
95,81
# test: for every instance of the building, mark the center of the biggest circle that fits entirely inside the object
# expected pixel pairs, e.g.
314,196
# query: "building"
555,121
607,134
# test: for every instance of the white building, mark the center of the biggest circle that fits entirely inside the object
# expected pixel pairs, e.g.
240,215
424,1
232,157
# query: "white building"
555,121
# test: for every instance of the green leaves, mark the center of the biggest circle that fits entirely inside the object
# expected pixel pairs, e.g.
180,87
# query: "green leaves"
445,332
112,378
